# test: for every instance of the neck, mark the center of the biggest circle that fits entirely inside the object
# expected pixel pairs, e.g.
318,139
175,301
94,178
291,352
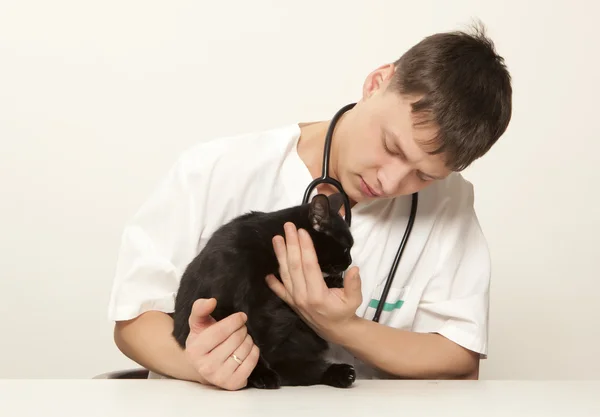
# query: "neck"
311,147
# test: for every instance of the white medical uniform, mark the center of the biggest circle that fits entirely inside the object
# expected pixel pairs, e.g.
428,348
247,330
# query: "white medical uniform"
441,284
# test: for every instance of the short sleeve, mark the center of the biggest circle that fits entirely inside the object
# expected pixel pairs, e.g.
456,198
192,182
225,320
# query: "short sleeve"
158,243
455,303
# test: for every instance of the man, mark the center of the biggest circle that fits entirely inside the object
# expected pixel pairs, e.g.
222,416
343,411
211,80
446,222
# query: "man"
419,122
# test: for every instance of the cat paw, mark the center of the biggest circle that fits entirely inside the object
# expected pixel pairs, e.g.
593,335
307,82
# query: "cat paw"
264,379
339,375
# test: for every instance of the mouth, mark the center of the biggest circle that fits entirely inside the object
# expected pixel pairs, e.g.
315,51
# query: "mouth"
368,191
334,270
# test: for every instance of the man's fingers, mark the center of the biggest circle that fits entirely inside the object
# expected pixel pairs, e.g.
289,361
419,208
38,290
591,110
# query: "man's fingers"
294,261
200,317
281,254
315,284
352,286
228,364
239,379
220,353
214,335
277,287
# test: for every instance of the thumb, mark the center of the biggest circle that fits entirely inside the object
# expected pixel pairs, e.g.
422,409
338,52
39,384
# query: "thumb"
352,286
200,317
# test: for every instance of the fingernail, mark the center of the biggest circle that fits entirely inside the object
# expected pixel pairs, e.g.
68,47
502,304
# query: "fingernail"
244,317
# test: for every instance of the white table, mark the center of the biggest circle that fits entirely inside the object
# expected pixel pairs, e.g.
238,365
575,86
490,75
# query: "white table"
166,398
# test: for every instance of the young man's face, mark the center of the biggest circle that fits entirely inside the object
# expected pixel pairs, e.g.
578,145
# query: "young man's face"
382,154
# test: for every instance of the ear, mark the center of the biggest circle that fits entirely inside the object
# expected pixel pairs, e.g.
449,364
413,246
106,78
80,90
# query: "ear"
377,80
336,201
318,212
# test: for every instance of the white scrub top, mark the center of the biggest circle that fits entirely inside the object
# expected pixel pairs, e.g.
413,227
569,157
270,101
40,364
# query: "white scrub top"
441,284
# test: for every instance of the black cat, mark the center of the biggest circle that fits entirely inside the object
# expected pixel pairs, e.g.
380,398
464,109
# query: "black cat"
232,268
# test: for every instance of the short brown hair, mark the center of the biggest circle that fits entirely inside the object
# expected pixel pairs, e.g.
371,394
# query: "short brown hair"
464,90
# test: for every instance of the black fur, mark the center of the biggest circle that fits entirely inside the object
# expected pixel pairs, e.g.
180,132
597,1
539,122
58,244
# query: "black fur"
232,268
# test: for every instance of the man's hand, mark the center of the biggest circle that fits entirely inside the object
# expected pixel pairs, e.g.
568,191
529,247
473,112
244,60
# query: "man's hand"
304,290
331,313
210,344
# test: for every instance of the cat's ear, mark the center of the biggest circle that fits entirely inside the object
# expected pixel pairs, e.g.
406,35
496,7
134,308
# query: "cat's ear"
336,201
318,212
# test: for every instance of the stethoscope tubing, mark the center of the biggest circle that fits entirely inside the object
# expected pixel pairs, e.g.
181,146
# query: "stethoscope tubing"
326,179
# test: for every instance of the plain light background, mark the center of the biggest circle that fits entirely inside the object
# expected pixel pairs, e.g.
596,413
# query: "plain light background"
97,100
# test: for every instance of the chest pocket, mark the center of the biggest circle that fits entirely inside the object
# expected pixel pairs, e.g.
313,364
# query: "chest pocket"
399,308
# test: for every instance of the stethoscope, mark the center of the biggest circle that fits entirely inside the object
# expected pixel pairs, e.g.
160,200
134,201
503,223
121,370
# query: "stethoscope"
326,179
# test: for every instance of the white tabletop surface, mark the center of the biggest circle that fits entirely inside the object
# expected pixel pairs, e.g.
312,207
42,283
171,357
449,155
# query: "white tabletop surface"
120,398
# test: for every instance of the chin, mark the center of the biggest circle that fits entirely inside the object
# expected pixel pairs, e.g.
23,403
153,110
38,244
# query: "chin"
353,191
359,198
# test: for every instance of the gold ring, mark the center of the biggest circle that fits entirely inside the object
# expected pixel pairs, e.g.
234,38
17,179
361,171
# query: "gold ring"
235,358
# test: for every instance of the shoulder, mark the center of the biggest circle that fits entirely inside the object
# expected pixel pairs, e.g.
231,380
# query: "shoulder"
450,207
452,194
449,204
241,151
224,177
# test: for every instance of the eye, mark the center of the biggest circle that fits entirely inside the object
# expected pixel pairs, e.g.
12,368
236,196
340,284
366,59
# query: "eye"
385,145
422,178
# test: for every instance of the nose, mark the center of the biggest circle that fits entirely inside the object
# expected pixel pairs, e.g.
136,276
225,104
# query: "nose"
392,176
